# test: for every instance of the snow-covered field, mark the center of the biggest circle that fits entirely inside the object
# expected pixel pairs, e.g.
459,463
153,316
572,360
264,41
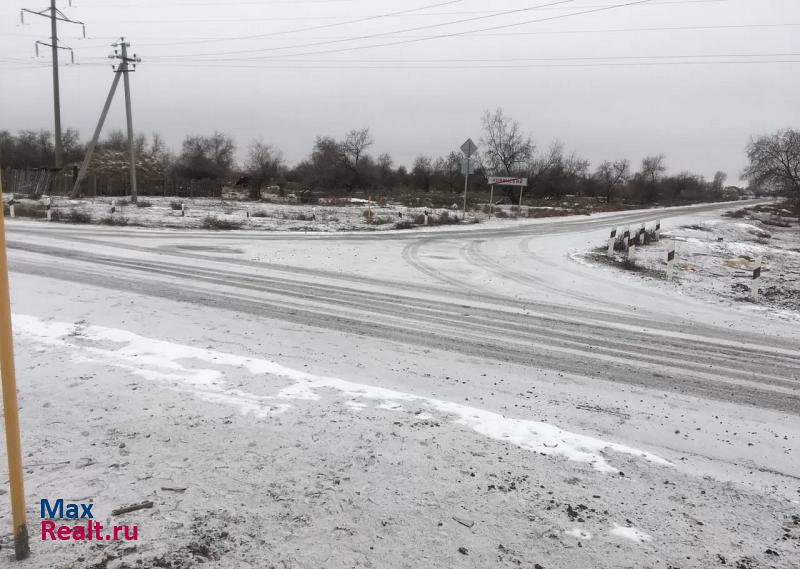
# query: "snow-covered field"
715,258
281,214
467,396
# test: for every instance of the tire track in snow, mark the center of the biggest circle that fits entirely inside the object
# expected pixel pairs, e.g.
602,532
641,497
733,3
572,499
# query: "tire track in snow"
621,370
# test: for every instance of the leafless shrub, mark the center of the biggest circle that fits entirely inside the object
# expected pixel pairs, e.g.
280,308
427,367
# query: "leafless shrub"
217,224
110,220
75,216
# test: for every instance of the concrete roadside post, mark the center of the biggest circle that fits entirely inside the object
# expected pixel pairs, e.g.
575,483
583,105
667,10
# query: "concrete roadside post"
642,231
10,406
11,209
658,230
756,280
631,246
670,258
626,239
49,208
611,241
183,209
113,207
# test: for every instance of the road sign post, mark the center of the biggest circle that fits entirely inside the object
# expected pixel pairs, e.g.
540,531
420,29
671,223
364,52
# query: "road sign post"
468,148
508,181
10,405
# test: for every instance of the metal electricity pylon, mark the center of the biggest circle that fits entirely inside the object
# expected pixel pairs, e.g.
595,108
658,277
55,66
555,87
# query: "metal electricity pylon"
55,15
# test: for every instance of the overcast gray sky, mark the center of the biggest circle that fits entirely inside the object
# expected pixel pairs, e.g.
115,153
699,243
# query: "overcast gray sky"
560,73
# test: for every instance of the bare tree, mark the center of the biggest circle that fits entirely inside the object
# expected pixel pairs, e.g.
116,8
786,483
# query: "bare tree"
353,150
539,167
613,174
422,172
116,139
263,162
649,176
775,162
506,147
157,145
384,166
653,167
210,157
448,171
719,182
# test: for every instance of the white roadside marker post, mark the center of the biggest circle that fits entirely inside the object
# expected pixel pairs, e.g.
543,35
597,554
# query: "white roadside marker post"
626,239
183,209
113,207
11,203
631,247
49,209
756,280
658,230
611,240
642,231
670,259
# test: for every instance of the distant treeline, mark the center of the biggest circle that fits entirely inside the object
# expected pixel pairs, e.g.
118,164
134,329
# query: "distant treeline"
345,167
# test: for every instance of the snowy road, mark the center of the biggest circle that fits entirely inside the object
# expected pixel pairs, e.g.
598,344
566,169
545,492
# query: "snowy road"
583,331
498,315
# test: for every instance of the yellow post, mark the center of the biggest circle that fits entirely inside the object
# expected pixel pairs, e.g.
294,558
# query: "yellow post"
10,409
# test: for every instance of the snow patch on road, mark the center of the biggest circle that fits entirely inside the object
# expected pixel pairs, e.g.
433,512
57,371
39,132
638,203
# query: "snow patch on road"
579,534
632,533
171,365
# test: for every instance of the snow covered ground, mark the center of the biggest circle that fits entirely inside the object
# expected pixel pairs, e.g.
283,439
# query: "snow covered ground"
456,397
715,258
281,214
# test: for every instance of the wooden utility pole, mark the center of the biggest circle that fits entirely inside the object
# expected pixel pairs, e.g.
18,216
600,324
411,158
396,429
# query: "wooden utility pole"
10,406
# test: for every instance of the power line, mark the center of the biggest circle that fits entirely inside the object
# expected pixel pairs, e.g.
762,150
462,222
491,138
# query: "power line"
474,60
382,34
520,59
536,33
473,67
427,38
310,17
320,27
463,68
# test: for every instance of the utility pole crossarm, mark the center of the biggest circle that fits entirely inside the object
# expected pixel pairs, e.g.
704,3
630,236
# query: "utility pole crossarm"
60,16
69,49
